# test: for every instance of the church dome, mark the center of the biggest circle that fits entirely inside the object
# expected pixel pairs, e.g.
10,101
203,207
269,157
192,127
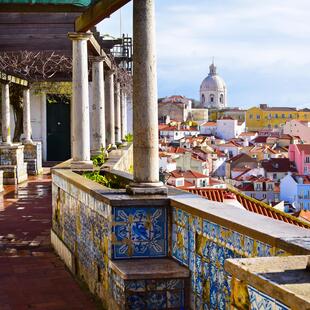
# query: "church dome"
213,82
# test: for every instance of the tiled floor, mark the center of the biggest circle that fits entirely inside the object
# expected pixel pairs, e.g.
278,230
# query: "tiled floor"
31,275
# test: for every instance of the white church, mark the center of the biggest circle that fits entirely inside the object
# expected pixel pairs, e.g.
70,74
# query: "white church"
213,91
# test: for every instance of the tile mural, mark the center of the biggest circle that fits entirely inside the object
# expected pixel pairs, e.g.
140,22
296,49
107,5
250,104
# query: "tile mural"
139,232
203,247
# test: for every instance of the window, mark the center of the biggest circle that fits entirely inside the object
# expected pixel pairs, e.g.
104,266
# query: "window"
203,99
264,196
251,116
211,98
270,187
307,161
269,116
283,116
290,116
274,176
221,98
276,115
179,183
258,187
257,116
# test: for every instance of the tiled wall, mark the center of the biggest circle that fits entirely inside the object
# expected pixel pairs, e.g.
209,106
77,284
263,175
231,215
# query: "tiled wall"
203,246
148,294
139,232
96,233
259,300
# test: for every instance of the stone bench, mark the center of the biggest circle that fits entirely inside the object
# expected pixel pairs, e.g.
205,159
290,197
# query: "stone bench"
149,284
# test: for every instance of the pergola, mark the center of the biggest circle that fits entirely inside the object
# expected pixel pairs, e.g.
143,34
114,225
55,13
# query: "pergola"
87,14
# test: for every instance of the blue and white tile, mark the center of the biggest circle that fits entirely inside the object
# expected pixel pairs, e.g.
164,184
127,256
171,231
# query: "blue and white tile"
259,300
156,300
175,299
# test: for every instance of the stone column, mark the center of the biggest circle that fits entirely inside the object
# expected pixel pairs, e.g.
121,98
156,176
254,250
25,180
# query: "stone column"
117,102
123,113
109,104
145,109
26,116
80,135
6,120
98,109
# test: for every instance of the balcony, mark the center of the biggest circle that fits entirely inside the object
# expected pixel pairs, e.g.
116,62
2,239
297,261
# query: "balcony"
169,252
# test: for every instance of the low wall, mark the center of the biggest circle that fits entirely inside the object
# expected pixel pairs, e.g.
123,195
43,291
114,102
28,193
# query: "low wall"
270,283
205,234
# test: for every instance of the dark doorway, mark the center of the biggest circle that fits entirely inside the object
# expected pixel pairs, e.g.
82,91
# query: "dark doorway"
58,127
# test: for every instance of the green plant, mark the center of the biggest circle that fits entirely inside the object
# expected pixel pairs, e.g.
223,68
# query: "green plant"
110,181
100,159
96,177
129,137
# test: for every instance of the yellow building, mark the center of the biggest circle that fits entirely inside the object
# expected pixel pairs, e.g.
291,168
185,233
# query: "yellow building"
264,117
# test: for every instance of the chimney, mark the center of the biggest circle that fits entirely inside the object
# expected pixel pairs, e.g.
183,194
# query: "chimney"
231,199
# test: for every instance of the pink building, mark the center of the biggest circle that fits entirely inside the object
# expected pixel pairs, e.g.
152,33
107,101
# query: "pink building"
300,154
298,128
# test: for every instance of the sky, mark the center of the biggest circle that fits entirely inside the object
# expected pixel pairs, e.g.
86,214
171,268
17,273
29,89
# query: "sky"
261,48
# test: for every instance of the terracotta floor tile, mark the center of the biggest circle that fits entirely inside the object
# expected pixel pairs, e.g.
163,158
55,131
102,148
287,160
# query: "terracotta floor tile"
32,276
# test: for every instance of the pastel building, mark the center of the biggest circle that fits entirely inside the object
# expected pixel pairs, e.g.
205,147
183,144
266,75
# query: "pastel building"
298,128
295,189
300,154
263,117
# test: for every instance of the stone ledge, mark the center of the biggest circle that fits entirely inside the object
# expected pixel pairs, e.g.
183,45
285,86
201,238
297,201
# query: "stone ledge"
283,278
161,268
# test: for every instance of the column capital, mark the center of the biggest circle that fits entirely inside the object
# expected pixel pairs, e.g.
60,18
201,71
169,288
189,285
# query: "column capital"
79,35
97,58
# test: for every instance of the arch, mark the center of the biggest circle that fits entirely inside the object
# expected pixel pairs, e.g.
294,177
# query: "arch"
212,97
221,98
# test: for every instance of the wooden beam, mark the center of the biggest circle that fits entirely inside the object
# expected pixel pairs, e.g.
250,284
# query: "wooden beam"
15,8
96,13
12,79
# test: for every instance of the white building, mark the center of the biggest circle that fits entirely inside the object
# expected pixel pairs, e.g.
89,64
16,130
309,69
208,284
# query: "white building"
213,91
228,128
173,133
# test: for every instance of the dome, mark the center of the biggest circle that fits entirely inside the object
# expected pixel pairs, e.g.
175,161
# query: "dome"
213,82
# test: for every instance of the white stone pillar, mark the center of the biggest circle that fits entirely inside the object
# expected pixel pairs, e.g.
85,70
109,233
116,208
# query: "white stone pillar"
145,109
123,113
109,104
98,108
6,118
80,134
26,117
117,102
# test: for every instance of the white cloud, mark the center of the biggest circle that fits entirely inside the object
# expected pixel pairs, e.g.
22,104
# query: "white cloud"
255,45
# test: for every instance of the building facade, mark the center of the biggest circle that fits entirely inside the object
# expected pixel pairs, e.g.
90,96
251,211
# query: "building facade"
300,154
258,118
298,128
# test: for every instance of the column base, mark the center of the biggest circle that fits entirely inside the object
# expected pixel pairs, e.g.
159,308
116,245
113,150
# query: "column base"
157,188
81,165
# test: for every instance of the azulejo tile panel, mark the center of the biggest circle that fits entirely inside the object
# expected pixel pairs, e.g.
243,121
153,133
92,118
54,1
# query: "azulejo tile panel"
261,301
152,294
204,246
139,232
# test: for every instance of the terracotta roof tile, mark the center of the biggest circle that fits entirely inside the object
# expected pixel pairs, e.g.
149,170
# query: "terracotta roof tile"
251,205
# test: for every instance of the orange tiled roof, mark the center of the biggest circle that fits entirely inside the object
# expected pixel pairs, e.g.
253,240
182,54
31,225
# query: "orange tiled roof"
250,204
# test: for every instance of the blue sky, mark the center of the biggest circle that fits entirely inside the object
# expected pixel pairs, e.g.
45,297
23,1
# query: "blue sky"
261,48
